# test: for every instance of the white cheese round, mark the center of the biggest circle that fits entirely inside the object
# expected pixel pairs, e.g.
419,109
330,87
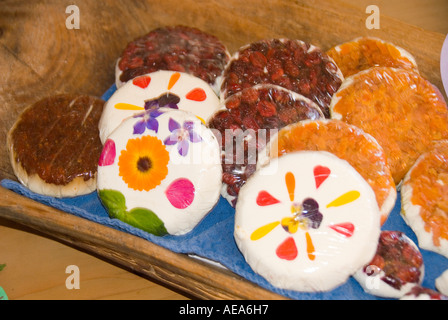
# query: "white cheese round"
307,221
185,181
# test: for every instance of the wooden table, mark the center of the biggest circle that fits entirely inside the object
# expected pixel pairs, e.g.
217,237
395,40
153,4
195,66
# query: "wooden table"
40,56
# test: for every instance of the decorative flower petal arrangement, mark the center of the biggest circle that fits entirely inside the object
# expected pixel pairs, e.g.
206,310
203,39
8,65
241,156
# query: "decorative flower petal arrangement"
167,99
304,215
307,221
182,135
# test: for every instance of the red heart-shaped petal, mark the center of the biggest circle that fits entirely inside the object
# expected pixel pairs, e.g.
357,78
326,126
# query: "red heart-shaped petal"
321,173
196,94
142,81
264,198
287,250
345,228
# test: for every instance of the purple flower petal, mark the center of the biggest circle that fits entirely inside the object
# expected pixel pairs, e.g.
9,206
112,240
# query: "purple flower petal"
188,125
173,125
172,139
152,124
151,104
139,127
155,113
172,106
194,137
182,147
311,212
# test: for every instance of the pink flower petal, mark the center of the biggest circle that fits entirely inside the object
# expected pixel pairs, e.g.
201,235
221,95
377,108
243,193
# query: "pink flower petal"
108,154
180,193
182,147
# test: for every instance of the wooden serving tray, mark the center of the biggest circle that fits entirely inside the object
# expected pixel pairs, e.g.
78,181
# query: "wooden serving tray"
43,57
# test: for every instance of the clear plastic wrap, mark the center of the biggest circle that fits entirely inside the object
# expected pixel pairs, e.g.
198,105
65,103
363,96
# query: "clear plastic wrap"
347,142
403,111
175,48
307,221
54,142
246,124
292,64
367,52
424,198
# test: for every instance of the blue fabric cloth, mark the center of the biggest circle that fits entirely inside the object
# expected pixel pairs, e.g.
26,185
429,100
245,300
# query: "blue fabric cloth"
213,239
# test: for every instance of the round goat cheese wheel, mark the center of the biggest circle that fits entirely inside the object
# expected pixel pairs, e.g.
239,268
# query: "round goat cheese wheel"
307,221
175,48
160,171
54,145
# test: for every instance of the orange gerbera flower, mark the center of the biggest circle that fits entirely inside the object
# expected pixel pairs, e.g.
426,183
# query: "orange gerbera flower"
144,163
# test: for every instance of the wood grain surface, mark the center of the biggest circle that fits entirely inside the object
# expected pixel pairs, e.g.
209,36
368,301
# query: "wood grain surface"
39,56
